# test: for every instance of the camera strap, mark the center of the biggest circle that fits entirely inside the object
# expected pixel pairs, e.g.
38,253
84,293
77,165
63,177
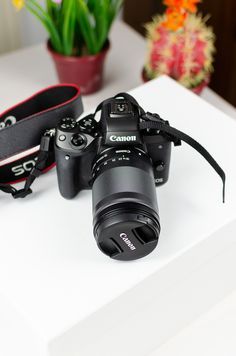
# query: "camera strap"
153,121
26,126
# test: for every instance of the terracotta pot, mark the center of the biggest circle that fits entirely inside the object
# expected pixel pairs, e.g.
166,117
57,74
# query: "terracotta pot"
85,71
197,90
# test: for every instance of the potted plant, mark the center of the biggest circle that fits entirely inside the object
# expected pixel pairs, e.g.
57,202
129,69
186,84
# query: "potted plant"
180,45
78,36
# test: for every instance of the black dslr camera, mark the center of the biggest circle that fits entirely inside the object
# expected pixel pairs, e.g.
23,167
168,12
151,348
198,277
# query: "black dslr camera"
122,157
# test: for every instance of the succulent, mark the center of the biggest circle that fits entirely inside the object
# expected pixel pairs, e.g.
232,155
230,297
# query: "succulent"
181,45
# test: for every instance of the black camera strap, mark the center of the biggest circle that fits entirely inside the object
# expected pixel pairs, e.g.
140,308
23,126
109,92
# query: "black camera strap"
153,121
46,148
26,126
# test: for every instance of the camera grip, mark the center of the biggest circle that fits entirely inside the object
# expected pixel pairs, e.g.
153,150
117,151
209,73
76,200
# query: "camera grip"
159,149
67,168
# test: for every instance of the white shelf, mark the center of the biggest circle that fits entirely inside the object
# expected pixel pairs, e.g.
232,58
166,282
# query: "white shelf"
211,334
214,99
59,296
63,292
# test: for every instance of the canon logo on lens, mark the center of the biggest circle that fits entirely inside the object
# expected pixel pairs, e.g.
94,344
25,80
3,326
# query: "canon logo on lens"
127,241
115,138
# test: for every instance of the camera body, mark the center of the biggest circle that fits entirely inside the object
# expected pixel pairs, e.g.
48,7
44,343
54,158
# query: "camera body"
122,165
122,158
79,145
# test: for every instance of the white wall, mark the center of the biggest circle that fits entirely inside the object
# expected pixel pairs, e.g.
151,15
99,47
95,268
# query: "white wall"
31,30
18,28
9,27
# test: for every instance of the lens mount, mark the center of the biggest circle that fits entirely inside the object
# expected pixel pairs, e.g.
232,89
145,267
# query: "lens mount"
116,157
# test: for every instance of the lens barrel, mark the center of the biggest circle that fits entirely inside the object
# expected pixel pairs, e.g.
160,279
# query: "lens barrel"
125,210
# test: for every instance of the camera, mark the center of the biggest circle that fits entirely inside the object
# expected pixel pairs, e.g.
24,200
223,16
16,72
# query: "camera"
122,157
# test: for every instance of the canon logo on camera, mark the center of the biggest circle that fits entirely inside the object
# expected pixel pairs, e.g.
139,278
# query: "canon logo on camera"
115,138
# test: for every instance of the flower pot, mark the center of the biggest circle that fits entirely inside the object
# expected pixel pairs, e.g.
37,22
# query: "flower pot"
85,71
200,87
197,90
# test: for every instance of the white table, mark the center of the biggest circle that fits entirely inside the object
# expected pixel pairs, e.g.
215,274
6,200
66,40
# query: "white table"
59,296
213,333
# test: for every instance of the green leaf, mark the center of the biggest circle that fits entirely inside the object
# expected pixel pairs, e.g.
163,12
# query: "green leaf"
115,6
87,28
46,20
68,29
54,10
101,13
91,4
49,4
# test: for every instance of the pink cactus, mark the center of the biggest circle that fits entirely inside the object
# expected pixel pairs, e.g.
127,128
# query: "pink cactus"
186,54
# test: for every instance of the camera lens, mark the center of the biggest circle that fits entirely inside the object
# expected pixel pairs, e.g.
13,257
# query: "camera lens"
125,211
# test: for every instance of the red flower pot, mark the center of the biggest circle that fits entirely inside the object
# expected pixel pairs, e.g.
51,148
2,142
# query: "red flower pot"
197,90
85,71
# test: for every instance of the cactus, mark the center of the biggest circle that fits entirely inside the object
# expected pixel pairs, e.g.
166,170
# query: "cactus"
180,44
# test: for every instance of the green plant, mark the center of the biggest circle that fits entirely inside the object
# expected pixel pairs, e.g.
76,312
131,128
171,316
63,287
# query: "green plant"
75,27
